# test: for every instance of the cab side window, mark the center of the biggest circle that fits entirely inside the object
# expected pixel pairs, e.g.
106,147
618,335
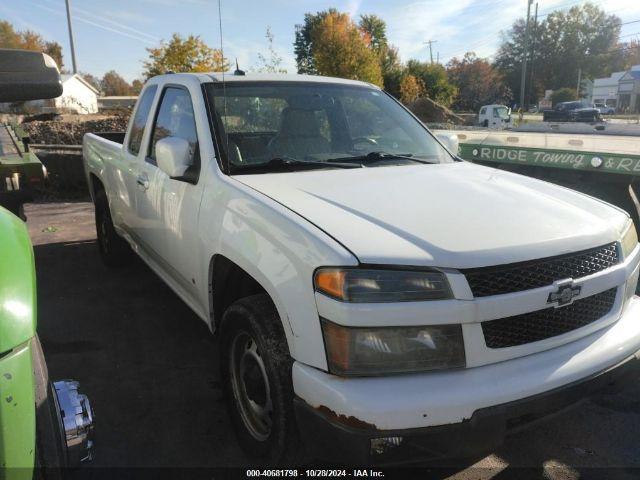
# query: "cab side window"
483,110
140,119
175,118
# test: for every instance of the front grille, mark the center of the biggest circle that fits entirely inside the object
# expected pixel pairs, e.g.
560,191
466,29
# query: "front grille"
547,323
515,277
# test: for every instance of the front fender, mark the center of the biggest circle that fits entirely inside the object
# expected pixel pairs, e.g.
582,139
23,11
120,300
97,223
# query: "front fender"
17,283
280,250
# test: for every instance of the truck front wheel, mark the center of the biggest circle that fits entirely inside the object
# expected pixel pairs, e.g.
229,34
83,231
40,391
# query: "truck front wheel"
256,374
114,250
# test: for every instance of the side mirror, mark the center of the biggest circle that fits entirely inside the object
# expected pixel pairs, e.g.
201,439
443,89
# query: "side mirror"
26,75
449,140
173,156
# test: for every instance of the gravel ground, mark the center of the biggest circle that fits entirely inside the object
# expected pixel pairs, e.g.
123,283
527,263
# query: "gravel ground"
149,366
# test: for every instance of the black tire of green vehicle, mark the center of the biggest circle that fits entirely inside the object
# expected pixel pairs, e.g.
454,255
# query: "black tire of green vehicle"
114,250
257,317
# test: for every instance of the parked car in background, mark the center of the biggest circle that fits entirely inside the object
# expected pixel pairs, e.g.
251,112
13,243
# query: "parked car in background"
495,116
377,299
571,112
604,109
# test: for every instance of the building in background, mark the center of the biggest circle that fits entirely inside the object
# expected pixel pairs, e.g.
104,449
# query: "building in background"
78,96
621,90
629,91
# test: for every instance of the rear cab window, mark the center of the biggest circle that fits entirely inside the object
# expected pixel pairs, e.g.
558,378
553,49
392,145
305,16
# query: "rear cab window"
139,120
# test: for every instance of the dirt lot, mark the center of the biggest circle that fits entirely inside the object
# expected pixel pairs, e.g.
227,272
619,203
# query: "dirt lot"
149,366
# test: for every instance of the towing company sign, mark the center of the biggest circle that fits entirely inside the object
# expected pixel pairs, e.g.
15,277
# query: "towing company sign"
592,161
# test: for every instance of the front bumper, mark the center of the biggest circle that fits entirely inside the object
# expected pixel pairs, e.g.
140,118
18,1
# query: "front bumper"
451,413
348,441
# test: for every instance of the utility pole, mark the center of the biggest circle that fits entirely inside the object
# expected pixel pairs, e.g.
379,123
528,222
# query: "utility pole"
532,90
579,81
523,78
73,49
430,43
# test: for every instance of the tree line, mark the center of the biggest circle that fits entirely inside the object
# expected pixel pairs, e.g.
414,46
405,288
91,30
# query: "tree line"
584,40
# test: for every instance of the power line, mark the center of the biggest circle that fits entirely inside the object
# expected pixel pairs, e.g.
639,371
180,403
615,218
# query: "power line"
96,24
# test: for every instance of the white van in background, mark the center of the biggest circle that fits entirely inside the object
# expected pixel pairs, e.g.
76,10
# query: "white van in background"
495,116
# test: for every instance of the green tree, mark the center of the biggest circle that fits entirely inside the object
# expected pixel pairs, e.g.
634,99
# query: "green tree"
563,95
340,50
29,40
477,81
272,62
180,54
375,31
435,80
583,38
303,44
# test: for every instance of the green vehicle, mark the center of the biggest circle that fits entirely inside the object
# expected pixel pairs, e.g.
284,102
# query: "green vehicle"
45,426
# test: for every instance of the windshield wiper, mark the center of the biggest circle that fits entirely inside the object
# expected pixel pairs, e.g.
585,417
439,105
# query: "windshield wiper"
377,156
284,161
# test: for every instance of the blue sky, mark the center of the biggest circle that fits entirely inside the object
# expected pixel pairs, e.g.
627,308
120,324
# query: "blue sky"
113,34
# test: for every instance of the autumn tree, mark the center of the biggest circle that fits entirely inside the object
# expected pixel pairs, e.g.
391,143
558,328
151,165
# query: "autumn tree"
340,50
435,81
136,86
477,81
272,61
29,40
92,80
180,54
411,88
114,85
303,47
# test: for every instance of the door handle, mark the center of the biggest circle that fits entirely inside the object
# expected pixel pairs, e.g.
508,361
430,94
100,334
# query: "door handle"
143,181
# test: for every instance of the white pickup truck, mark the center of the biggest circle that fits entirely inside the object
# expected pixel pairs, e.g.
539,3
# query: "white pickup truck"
377,299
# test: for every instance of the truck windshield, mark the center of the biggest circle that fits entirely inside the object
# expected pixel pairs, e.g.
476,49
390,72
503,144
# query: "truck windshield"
501,112
267,126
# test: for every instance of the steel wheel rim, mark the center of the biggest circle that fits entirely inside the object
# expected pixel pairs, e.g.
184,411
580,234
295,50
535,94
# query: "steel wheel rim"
250,386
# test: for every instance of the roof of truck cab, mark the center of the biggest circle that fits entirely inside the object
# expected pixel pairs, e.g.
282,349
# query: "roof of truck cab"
282,77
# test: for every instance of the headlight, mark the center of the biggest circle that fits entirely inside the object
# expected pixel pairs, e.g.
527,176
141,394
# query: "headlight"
377,351
629,240
371,285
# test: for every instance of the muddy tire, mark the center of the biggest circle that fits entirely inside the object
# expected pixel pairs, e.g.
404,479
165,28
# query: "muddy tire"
255,368
114,250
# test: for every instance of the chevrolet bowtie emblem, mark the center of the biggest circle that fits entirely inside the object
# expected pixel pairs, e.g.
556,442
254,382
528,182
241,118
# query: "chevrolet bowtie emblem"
566,292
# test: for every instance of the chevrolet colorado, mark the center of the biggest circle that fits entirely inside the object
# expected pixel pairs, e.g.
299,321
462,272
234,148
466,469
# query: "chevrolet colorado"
377,299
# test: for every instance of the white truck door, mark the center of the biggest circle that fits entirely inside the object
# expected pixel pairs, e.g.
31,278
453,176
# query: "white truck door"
168,208
123,178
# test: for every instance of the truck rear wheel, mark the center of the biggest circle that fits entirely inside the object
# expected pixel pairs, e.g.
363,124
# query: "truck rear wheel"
114,250
256,374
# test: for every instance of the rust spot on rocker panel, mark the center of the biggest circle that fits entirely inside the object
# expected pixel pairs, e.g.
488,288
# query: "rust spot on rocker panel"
350,421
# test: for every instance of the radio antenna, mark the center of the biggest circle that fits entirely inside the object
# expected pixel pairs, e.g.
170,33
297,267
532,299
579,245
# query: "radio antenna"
224,91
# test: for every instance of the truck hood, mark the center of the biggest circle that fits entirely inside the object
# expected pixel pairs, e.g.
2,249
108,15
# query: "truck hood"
457,215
